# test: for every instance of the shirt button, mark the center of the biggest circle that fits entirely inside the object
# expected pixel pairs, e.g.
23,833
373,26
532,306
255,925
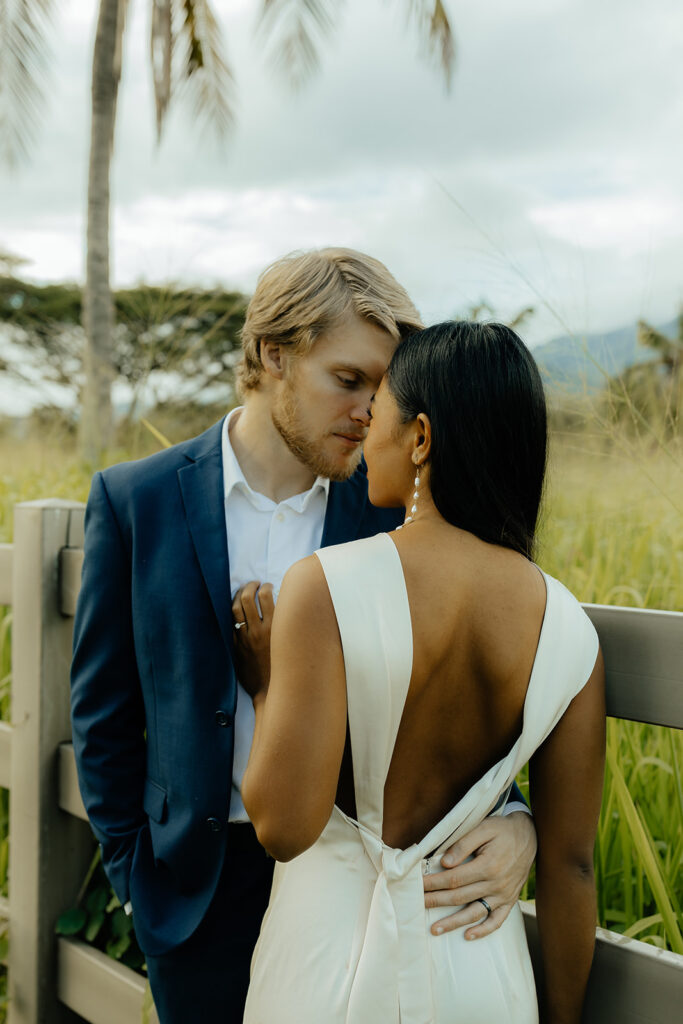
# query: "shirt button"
213,824
280,517
222,718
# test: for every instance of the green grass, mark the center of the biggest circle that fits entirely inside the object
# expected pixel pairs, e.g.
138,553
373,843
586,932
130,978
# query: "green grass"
613,533
612,529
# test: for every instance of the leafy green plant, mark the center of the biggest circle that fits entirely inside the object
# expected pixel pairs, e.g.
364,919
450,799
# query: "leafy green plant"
99,919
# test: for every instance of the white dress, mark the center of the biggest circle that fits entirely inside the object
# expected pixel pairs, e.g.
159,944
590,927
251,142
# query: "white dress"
346,939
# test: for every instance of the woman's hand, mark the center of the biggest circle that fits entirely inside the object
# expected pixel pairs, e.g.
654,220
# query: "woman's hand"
252,635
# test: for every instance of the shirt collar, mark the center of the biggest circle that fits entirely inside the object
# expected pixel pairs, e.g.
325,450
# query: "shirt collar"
234,478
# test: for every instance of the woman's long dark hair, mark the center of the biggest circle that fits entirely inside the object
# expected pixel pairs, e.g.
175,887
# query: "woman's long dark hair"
482,391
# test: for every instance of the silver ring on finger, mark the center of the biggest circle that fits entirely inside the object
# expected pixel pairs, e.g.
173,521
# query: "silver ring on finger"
238,625
485,905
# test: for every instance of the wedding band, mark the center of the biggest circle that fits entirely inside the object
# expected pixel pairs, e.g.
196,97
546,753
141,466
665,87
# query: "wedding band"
238,625
485,905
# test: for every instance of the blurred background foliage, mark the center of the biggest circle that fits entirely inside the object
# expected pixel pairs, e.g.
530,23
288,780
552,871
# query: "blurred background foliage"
168,341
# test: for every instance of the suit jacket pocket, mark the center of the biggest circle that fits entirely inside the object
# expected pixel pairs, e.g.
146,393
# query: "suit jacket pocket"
154,801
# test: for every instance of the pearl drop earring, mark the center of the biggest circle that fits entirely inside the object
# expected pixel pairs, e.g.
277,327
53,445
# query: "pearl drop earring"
416,494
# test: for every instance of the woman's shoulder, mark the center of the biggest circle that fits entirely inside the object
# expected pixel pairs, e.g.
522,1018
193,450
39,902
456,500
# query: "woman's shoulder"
562,597
337,564
567,629
357,555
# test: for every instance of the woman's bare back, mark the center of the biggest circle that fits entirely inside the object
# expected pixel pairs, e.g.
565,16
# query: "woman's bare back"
477,611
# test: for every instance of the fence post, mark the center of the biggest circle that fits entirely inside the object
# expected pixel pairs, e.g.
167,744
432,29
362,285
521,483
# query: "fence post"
49,849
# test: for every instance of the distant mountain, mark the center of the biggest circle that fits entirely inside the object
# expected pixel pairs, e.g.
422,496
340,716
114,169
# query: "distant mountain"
583,363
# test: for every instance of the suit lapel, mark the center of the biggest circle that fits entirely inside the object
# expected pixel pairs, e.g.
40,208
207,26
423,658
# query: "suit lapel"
201,486
345,507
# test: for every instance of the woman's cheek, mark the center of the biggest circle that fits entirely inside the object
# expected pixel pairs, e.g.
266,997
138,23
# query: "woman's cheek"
379,476
369,456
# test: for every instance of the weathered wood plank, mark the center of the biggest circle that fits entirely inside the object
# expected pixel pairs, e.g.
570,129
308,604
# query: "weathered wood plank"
643,652
70,566
6,556
98,988
69,794
49,850
5,754
76,531
643,649
631,982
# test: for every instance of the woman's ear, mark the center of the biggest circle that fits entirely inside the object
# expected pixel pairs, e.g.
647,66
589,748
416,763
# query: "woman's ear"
422,444
273,358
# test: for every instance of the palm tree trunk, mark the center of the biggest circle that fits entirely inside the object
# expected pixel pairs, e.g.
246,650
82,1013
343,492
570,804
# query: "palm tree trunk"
98,309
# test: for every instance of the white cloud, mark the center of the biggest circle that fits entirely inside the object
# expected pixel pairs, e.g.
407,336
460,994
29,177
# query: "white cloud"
633,223
560,140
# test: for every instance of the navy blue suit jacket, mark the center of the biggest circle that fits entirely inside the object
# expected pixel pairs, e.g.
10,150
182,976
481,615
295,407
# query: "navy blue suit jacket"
153,682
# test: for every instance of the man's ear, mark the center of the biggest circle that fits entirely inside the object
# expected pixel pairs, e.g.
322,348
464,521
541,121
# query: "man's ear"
273,358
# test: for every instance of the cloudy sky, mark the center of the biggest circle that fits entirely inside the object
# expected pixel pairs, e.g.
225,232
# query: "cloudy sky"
550,175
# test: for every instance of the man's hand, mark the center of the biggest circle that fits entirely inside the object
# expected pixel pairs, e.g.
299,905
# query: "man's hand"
502,851
252,625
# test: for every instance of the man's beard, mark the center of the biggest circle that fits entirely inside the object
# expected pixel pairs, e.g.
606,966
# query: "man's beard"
285,420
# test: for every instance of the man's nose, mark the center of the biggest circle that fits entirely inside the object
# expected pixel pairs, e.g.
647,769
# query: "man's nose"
361,413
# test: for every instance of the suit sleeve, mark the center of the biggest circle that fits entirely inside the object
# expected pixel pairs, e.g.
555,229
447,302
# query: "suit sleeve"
515,801
107,711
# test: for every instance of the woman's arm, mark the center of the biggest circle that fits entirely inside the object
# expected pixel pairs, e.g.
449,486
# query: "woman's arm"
290,784
566,776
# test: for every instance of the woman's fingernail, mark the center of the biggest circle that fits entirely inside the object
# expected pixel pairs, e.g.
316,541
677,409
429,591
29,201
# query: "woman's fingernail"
448,862
438,931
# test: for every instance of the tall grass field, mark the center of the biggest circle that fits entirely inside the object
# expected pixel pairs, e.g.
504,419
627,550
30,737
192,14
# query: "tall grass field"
612,531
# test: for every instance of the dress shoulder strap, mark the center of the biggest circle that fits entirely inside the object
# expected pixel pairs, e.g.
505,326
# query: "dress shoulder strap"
367,586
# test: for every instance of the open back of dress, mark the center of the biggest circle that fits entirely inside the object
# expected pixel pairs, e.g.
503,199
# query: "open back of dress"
346,939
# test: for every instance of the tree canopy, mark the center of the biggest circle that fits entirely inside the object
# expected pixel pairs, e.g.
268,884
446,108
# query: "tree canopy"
166,338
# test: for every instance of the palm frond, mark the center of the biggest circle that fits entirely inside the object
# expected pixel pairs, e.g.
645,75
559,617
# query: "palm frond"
296,29
161,55
202,65
434,28
24,55
669,351
650,337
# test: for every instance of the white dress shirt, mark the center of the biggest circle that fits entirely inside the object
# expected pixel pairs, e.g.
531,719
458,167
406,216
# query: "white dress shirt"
264,539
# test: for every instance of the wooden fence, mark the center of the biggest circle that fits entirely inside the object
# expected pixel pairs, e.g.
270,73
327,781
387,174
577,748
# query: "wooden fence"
61,979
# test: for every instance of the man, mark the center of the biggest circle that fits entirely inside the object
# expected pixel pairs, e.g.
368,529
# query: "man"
161,728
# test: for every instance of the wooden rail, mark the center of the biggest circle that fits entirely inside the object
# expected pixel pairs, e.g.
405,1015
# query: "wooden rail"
631,982
52,980
97,988
6,551
643,652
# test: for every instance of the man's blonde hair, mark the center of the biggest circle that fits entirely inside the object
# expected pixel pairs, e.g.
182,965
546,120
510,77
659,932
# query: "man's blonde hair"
302,295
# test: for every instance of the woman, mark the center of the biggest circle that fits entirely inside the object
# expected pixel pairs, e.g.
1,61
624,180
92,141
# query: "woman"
454,660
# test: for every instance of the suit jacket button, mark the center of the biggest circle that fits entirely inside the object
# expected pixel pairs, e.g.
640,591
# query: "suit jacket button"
223,718
214,824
